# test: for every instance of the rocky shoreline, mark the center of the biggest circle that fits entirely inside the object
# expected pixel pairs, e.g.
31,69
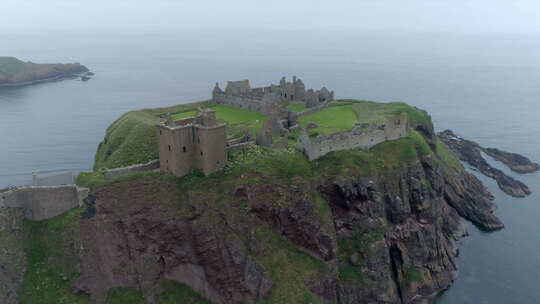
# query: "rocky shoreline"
470,152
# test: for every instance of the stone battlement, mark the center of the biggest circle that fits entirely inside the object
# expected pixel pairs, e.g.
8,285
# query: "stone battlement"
272,99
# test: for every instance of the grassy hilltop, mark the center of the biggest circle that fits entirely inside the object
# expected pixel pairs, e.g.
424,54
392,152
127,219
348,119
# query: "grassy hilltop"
14,71
131,139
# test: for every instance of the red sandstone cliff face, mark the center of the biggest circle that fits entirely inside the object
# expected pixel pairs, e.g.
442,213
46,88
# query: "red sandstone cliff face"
384,239
138,238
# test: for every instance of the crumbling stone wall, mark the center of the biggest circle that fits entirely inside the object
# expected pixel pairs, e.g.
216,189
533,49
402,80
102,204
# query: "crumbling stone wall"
240,146
294,117
363,136
113,173
40,203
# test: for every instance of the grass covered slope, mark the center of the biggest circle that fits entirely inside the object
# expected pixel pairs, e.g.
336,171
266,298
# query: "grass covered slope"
14,71
52,248
131,139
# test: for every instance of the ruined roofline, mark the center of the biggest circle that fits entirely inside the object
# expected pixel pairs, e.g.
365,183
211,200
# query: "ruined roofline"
245,85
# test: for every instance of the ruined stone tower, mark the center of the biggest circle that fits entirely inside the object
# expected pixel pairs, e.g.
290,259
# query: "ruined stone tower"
194,143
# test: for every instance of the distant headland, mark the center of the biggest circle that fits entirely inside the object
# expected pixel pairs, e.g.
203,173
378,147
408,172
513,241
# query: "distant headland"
15,72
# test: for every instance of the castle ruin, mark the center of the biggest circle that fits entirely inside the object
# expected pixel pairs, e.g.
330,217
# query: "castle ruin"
269,100
194,143
362,136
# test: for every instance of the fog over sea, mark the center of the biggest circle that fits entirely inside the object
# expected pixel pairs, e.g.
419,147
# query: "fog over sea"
486,87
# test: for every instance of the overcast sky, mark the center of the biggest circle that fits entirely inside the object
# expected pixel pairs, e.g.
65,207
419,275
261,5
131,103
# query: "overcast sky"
363,15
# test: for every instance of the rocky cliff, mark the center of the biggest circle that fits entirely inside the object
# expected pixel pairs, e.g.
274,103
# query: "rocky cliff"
388,238
377,226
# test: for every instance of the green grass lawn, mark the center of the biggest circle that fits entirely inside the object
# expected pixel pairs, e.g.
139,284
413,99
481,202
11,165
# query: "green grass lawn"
239,121
370,111
52,260
331,120
234,115
184,114
297,107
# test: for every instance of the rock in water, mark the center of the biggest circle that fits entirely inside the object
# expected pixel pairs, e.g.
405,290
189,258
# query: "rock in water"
469,152
518,163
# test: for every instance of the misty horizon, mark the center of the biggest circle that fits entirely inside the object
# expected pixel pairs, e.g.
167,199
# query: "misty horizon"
363,16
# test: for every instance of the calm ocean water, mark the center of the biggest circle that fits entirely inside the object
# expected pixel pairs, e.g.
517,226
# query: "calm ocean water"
484,86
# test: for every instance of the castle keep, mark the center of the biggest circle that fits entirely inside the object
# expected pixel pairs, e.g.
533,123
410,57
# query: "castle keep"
269,100
194,143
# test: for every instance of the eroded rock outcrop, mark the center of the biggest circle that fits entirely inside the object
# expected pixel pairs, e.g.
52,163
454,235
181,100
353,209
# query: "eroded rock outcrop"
397,232
518,163
470,152
295,218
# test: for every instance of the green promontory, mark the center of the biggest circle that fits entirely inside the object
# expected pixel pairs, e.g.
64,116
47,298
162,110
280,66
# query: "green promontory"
16,72
131,139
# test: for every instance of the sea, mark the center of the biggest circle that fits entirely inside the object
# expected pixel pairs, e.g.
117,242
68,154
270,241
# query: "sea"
484,86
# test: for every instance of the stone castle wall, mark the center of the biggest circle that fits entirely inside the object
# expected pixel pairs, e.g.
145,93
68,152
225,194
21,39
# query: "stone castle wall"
311,110
113,173
267,103
43,202
360,137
